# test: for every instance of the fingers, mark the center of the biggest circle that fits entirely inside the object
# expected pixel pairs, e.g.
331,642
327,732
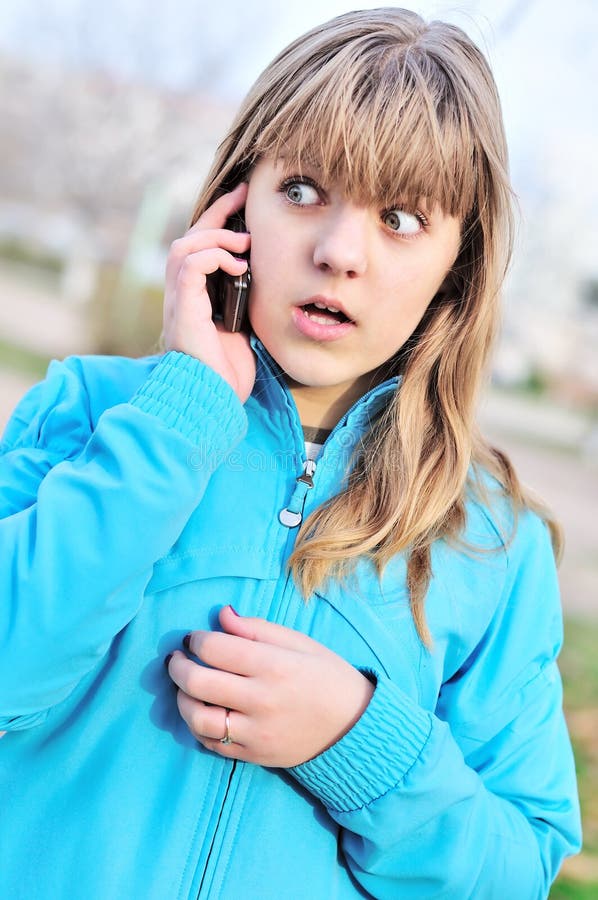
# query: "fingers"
188,315
190,261
219,211
290,697
214,686
196,240
224,651
260,630
190,283
204,263
247,647
209,232
208,723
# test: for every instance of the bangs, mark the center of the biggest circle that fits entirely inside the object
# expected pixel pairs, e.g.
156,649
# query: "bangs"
388,127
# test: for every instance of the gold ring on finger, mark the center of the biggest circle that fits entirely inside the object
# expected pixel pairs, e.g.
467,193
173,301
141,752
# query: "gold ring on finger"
227,739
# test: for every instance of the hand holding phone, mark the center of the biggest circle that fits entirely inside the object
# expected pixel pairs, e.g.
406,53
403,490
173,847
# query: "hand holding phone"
193,313
229,293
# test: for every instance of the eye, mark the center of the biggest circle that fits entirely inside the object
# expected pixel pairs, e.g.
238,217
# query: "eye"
403,222
300,192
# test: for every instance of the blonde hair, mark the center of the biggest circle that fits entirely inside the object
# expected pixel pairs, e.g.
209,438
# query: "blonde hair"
396,108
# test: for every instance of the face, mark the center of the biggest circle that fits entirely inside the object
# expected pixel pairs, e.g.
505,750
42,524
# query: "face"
338,288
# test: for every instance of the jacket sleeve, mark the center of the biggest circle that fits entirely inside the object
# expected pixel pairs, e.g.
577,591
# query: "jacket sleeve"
87,508
477,799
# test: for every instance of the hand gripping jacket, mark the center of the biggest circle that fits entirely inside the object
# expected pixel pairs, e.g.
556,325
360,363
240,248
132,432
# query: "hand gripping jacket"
139,496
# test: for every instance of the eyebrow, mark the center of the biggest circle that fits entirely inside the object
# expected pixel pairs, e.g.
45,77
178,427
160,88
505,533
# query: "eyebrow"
306,160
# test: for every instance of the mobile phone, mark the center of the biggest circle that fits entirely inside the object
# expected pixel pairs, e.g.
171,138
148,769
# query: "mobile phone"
229,293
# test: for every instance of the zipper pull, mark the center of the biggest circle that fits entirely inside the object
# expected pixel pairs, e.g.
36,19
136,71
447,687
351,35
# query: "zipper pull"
292,514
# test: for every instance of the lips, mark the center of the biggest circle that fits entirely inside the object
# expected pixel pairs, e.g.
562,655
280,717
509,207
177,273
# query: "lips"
322,319
325,311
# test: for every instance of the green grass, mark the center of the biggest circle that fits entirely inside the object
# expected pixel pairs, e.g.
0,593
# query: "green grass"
16,252
21,360
579,664
566,889
579,668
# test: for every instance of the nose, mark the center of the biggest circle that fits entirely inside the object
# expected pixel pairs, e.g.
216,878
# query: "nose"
341,243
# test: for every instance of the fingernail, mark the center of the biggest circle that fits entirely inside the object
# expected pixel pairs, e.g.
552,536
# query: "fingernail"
232,608
187,641
167,659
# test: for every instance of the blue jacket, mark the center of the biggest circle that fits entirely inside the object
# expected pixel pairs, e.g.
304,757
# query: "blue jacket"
138,497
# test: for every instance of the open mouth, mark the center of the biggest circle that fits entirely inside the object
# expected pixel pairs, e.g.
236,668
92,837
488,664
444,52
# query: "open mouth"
323,314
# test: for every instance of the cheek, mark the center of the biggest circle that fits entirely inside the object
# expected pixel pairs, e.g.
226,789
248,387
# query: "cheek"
269,279
267,274
274,261
420,275
416,285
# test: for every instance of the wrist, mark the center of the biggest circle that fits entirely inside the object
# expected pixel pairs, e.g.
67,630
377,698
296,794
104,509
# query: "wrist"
374,755
187,396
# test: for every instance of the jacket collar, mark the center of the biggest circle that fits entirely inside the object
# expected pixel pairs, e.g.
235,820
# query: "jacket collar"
363,411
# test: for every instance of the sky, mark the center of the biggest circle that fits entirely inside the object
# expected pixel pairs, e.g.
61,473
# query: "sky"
542,51
167,41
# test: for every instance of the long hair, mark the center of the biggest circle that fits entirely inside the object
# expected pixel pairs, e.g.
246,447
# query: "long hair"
391,106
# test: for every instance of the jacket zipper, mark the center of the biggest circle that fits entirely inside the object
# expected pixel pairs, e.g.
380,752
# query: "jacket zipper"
292,515
216,828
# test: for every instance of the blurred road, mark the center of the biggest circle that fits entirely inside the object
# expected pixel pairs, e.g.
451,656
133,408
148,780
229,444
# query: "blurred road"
568,482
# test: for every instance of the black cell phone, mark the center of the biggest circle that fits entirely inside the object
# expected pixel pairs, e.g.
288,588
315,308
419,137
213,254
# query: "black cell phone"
229,293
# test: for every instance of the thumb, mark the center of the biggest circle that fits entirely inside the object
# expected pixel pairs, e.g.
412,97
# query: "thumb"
253,628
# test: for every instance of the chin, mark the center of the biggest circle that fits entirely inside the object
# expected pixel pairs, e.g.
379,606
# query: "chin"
311,375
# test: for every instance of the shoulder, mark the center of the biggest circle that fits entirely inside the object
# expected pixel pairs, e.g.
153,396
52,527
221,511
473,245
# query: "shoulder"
64,408
500,571
517,535
503,629
496,521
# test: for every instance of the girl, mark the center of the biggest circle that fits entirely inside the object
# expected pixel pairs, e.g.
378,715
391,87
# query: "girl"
360,696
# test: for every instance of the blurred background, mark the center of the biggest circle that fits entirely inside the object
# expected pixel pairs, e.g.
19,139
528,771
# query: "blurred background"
110,115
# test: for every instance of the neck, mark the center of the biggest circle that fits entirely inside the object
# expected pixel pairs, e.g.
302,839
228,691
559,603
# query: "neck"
323,407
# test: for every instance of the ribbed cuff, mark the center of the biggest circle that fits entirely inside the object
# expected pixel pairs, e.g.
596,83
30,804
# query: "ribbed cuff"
191,398
374,756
